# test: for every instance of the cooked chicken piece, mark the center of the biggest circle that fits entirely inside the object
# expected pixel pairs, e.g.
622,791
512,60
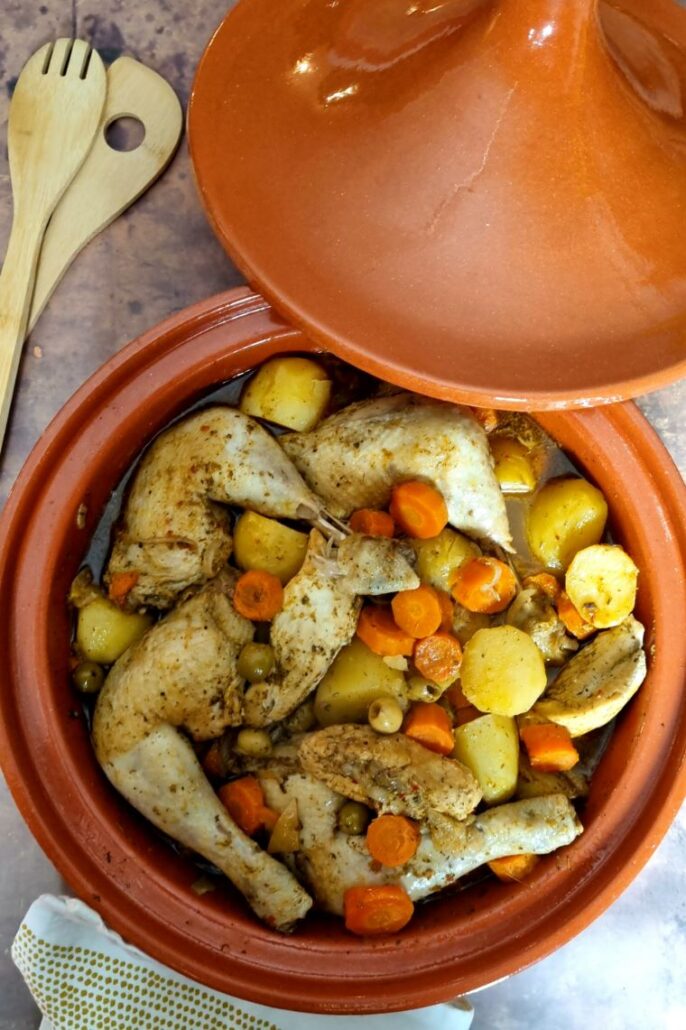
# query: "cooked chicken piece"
353,459
533,612
183,674
319,616
174,534
392,773
161,777
596,684
332,861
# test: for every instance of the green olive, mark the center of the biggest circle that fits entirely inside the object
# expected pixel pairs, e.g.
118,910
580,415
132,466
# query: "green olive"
255,662
254,743
419,689
88,677
385,715
353,818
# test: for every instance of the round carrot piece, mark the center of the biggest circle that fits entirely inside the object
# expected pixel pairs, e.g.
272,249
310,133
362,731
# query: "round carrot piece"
372,523
377,629
258,595
484,584
244,801
573,621
430,725
419,509
417,611
513,868
375,910
438,657
392,840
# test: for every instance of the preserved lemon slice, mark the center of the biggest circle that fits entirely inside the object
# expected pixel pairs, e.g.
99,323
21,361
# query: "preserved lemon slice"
601,583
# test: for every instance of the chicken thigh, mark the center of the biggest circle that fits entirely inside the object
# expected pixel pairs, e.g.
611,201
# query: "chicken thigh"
174,534
183,674
353,459
319,616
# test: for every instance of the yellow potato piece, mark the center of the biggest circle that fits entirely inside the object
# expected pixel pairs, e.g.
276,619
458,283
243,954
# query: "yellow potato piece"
489,747
502,672
513,469
601,582
356,678
440,556
267,545
565,516
291,392
104,632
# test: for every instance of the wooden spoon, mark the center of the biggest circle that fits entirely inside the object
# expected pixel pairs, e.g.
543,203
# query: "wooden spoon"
110,180
54,115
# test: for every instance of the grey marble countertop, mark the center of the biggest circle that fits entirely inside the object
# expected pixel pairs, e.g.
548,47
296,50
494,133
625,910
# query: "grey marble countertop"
627,970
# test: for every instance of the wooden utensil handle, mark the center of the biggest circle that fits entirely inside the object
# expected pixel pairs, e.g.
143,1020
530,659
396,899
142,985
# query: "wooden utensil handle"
16,287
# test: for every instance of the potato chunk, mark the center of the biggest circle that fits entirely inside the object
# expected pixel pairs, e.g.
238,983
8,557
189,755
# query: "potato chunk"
267,545
503,671
565,516
601,583
440,556
356,678
104,632
291,392
489,747
513,468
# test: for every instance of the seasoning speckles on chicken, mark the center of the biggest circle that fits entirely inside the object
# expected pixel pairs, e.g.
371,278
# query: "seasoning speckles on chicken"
392,773
353,459
174,534
319,616
331,861
183,674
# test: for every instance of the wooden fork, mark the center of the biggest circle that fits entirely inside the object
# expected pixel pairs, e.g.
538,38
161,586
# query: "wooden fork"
54,115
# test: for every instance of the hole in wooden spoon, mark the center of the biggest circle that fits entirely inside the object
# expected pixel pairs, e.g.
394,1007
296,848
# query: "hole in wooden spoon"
125,133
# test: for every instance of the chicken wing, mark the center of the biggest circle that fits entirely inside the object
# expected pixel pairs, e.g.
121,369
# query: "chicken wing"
174,534
319,616
353,459
392,773
596,684
183,674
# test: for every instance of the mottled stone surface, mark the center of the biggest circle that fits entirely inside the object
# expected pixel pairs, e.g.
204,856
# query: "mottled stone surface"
625,971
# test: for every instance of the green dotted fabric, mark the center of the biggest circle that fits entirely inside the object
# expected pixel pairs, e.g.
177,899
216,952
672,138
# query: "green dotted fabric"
78,988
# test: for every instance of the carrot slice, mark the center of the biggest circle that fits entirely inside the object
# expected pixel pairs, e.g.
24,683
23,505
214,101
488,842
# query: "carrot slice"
418,611
372,523
438,657
456,698
244,800
484,584
376,910
419,509
513,867
392,840
545,582
121,584
258,595
549,747
430,725
447,610
377,629
573,620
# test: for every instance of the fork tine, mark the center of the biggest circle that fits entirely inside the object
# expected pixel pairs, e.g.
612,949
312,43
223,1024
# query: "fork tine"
79,59
60,55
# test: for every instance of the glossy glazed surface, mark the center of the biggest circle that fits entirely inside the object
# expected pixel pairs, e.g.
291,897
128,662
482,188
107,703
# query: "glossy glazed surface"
466,196
110,856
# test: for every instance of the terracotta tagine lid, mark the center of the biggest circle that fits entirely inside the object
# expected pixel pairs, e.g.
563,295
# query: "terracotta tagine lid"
481,196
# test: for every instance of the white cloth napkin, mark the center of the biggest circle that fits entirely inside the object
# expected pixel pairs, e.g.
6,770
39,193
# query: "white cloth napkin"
83,976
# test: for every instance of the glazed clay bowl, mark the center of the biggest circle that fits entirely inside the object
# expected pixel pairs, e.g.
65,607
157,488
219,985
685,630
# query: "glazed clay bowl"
117,863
